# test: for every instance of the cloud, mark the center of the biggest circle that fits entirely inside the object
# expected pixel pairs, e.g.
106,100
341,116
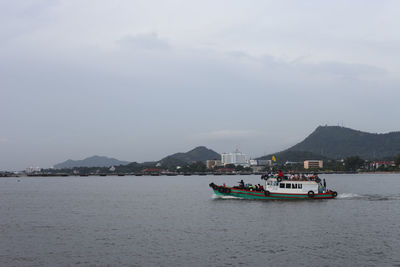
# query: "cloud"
23,17
194,80
348,69
146,41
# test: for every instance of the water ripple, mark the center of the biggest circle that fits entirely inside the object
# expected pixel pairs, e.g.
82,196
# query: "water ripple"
370,197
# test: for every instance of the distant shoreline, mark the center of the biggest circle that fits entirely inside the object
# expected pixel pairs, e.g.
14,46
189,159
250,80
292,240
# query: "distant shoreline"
180,174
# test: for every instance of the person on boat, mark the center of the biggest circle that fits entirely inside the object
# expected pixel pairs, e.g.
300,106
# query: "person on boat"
241,184
260,187
280,174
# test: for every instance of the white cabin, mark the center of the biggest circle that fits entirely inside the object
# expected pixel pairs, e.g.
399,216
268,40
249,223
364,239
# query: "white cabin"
293,186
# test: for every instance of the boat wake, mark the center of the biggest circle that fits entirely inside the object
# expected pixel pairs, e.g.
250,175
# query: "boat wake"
348,195
214,196
372,197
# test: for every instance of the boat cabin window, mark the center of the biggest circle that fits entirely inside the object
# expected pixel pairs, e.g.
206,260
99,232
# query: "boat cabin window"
294,185
300,186
281,185
288,185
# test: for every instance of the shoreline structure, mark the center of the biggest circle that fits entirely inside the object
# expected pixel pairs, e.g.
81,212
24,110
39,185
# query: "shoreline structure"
12,175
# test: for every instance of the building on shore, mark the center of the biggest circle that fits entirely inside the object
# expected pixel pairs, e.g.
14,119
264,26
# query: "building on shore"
376,164
260,162
257,168
33,170
212,163
293,163
313,164
236,158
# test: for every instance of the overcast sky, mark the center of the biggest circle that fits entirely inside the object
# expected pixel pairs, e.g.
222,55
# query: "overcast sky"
138,80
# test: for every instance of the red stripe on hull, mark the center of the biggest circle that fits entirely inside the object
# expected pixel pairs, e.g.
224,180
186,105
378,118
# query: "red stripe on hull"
277,196
271,193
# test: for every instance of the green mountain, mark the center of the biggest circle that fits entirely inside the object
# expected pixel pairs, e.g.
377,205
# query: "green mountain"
199,153
337,142
94,161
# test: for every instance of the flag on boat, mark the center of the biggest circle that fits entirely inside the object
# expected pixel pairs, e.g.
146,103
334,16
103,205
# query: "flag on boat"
273,159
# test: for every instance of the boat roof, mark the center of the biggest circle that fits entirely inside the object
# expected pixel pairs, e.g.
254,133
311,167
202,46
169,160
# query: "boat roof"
295,181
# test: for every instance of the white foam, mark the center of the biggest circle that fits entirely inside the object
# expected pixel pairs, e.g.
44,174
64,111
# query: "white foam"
214,196
348,195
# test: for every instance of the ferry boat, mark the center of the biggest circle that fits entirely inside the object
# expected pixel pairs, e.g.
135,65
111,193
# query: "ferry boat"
278,188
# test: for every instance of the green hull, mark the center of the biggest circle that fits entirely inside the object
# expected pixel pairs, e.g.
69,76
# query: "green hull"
240,193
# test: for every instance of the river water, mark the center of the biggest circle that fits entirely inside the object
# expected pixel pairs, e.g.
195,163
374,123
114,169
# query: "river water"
177,221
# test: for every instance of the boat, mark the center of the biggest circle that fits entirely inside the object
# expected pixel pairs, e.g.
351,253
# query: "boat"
278,188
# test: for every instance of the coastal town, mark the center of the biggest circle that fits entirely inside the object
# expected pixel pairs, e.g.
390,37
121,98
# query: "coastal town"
232,163
328,149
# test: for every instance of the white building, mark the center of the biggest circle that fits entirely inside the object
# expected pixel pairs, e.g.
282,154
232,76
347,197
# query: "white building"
260,162
264,162
253,162
33,169
377,164
236,158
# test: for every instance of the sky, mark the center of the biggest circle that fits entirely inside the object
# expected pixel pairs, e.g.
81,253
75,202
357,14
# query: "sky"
139,80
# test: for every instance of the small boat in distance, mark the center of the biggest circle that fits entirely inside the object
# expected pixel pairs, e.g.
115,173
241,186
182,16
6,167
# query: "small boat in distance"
279,187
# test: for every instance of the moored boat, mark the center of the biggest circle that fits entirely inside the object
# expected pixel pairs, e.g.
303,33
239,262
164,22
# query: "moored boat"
278,188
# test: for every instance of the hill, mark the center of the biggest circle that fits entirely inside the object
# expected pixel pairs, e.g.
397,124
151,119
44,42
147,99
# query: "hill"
337,142
200,153
94,161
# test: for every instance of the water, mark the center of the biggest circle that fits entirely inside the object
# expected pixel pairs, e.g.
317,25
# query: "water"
177,221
